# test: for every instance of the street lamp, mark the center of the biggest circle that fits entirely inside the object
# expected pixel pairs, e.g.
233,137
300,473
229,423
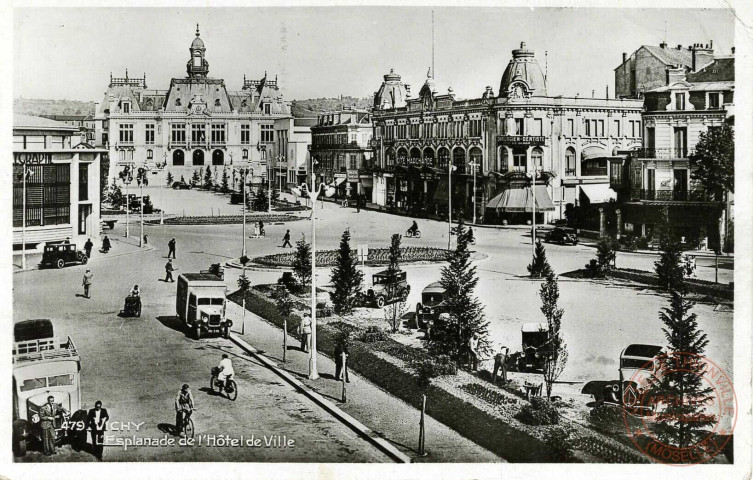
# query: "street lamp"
244,176
25,173
127,178
533,222
142,179
450,168
474,165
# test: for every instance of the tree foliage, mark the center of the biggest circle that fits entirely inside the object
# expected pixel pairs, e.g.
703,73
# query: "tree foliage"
196,178
208,182
115,195
678,386
539,267
170,178
466,313
283,300
556,349
669,268
261,201
713,162
225,186
346,278
302,262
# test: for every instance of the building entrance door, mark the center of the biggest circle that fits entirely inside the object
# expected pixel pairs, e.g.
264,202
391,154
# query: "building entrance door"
84,219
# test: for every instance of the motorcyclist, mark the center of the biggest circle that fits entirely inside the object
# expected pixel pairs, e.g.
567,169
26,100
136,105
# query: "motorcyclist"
135,292
413,228
184,406
225,370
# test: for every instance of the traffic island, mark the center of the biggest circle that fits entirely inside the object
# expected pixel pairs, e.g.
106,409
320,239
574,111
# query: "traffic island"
377,256
477,409
229,219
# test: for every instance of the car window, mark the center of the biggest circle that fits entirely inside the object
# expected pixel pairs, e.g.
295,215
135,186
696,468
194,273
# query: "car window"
60,380
218,301
32,383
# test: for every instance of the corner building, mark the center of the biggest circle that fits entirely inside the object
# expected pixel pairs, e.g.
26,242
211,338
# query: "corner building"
570,142
196,122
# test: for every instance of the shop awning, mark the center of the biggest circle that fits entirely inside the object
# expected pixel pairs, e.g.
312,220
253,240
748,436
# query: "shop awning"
598,193
518,200
593,152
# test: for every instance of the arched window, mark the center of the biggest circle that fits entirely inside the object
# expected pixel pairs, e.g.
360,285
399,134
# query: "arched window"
458,159
570,162
537,157
177,102
415,156
179,158
477,158
444,158
218,157
198,157
245,154
402,156
504,160
429,157
217,102
149,154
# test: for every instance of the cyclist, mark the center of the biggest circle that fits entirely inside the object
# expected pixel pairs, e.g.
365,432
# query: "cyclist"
183,408
135,292
413,228
469,234
225,370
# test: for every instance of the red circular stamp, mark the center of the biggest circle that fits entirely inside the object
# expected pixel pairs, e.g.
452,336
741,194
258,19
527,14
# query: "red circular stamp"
680,408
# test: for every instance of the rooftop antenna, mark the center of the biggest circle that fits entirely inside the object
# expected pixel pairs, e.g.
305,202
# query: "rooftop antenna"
665,31
546,64
433,70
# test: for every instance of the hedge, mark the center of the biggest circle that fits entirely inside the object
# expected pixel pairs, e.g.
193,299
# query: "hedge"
377,256
227,219
700,287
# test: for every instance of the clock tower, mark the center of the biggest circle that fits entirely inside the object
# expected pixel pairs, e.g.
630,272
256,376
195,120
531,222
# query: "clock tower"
197,66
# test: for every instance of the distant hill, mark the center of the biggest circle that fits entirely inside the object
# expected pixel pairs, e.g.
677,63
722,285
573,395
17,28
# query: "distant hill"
39,106
314,106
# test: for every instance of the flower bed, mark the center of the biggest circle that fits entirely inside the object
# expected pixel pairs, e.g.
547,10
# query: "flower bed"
472,407
377,256
227,219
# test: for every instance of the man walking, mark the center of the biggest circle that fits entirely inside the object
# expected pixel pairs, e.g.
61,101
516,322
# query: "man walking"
286,240
88,248
171,248
47,417
87,283
305,330
169,269
96,421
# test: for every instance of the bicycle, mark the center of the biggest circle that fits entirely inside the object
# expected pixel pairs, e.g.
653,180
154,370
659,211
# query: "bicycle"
188,427
217,386
413,234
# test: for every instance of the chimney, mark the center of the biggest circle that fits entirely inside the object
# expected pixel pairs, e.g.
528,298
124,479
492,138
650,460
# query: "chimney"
711,44
607,91
679,47
593,93
624,57
675,74
733,50
693,55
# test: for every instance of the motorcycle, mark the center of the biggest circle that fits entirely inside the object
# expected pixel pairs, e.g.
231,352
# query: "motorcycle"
471,240
217,385
413,234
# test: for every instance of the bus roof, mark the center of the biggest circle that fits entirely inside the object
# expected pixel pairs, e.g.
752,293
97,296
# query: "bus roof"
201,277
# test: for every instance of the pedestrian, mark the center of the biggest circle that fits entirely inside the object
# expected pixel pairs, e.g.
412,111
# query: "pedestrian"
286,240
256,229
500,363
304,329
171,248
96,421
341,361
473,350
146,239
169,269
87,283
358,203
106,244
47,417
88,248
261,228
67,240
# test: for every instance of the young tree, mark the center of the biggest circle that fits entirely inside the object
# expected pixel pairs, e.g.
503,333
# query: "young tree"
285,306
606,253
260,200
182,179
302,262
196,178
225,186
393,315
244,283
713,162
539,266
555,350
466,312
679,382
170,179
208,177
115,195
669,268
346,278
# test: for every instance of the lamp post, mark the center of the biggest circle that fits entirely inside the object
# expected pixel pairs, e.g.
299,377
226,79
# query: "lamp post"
24,174
474,165
127,179
450,168
142,179
533,222
244,174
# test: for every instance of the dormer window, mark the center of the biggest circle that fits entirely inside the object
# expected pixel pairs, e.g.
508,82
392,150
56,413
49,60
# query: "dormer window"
126,107
217,103
715,101
177,102
267,109
196,59
679,101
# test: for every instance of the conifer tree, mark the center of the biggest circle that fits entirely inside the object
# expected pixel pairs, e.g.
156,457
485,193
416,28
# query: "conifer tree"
669,267
539,266
346,278
225,187
170,178
555,349
208,177
302,262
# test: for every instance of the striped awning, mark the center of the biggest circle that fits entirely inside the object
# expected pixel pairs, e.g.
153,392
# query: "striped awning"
519,200
589,153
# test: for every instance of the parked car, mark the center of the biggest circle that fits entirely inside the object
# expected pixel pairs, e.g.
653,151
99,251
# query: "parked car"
59,254
388,288
535,337
563,236
431,305
181,186
236,198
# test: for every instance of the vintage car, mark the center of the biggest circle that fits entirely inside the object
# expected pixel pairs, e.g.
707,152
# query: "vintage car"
181,186
388,288
236,198
59,254
562,236
535,337
431,305
637,363
45,367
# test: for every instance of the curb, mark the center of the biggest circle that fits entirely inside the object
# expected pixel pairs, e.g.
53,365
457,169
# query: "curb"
346,419
148,248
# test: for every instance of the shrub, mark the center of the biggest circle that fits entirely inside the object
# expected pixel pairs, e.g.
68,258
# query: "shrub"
433,367
488,395
606,415
244,282
559,441
288,280
244,259
539,412
373,334
642,242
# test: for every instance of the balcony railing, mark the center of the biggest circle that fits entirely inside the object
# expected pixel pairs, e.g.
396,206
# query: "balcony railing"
673,195
664,153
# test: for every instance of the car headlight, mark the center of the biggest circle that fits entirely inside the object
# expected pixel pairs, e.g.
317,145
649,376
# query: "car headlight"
35,418
229,323
204,318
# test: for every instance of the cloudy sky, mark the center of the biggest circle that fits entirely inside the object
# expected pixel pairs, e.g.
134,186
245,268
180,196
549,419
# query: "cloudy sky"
67,53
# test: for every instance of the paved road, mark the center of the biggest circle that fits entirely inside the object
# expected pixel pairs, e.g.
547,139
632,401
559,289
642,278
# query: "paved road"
136,366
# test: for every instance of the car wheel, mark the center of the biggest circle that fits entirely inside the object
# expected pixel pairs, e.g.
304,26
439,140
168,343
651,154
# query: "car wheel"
404,295
197,332
60,263
84,259
19,441
562,242
138,311
380,301
225,332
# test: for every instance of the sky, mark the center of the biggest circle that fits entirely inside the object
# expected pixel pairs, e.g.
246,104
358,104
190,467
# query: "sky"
68,53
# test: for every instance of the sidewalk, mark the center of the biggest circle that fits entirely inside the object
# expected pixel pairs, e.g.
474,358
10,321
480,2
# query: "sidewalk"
119,246
590,242
391,418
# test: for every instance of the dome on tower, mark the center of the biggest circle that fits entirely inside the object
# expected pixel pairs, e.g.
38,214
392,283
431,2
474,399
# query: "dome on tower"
197,43
523,76
392,93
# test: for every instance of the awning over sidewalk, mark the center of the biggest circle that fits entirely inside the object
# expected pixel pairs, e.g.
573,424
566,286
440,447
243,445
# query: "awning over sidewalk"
598,193
518,200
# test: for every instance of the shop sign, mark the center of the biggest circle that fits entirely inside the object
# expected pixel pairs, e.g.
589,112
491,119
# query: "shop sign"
403,185
31,158
520,140
352,175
